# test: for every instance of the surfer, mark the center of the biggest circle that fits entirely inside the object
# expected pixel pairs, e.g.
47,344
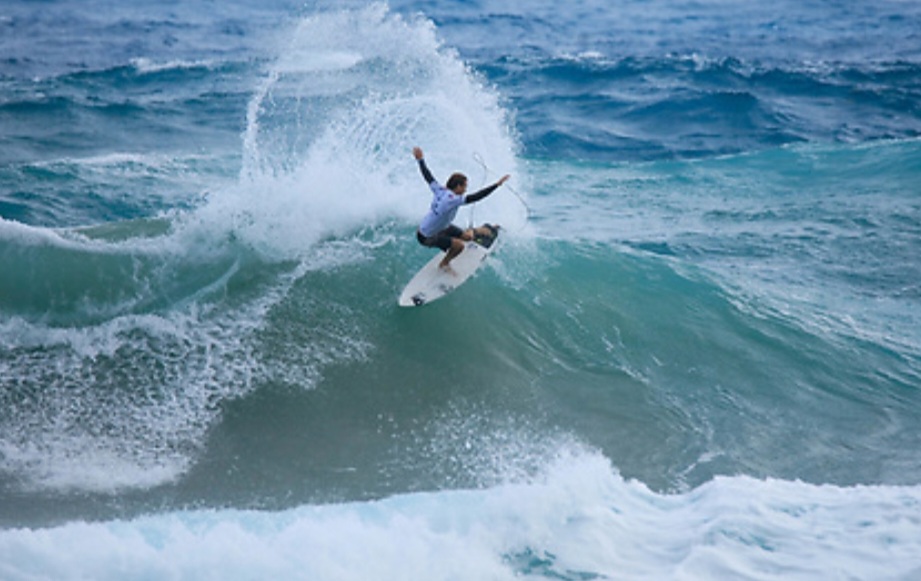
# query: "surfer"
436,229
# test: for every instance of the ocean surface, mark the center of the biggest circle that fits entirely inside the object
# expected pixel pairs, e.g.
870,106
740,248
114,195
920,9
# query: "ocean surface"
696,353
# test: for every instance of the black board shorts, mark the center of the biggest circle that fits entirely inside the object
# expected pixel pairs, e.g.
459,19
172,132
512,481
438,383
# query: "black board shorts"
441,239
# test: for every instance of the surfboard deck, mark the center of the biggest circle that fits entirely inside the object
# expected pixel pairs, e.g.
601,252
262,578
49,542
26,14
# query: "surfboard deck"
432,283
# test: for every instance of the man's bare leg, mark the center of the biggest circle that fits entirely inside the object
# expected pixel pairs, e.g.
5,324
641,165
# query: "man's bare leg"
457,246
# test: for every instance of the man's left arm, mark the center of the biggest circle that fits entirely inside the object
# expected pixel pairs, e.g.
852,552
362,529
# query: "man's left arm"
476,197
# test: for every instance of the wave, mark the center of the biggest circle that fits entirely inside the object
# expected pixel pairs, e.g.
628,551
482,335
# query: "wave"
579,519
106,88
112,357
776,222
650,361
645,108
110,187
148,66
150,332
136,107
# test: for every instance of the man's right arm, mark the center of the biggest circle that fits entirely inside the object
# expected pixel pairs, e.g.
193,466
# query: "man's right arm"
429,178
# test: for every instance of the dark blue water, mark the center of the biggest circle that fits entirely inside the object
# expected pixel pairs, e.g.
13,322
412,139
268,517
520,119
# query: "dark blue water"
696,353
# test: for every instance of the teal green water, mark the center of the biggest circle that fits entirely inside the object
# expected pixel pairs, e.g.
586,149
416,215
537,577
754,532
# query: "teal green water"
694,354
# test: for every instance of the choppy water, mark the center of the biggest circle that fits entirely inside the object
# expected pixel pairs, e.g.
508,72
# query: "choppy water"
696,354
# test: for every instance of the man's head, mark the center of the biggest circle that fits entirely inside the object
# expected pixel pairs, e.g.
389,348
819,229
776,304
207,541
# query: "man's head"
457,183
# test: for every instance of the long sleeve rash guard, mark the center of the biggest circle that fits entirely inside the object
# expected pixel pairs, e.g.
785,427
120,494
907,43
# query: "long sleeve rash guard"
445,203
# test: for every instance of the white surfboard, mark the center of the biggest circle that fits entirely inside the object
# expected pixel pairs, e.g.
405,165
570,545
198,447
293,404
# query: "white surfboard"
432,282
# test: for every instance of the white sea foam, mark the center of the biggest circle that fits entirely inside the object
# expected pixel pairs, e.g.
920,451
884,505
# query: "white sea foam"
577,520
148,66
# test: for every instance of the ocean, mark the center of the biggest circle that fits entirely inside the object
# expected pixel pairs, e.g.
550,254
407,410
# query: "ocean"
695,353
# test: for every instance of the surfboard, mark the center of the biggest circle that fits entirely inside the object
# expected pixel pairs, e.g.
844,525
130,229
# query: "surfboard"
432,283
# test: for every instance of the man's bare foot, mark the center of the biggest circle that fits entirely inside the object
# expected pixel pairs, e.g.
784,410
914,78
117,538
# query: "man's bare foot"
446,268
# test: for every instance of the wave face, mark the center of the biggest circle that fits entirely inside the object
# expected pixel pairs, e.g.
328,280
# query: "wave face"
696,353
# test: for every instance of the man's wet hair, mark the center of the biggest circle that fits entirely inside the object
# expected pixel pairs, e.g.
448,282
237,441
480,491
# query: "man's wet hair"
456,179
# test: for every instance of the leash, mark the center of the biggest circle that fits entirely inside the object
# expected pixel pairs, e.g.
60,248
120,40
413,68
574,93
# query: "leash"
486,171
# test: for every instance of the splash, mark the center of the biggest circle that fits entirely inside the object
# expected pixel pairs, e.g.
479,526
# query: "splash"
329,132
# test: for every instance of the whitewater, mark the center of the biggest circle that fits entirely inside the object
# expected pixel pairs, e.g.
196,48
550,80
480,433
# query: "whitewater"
695,355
